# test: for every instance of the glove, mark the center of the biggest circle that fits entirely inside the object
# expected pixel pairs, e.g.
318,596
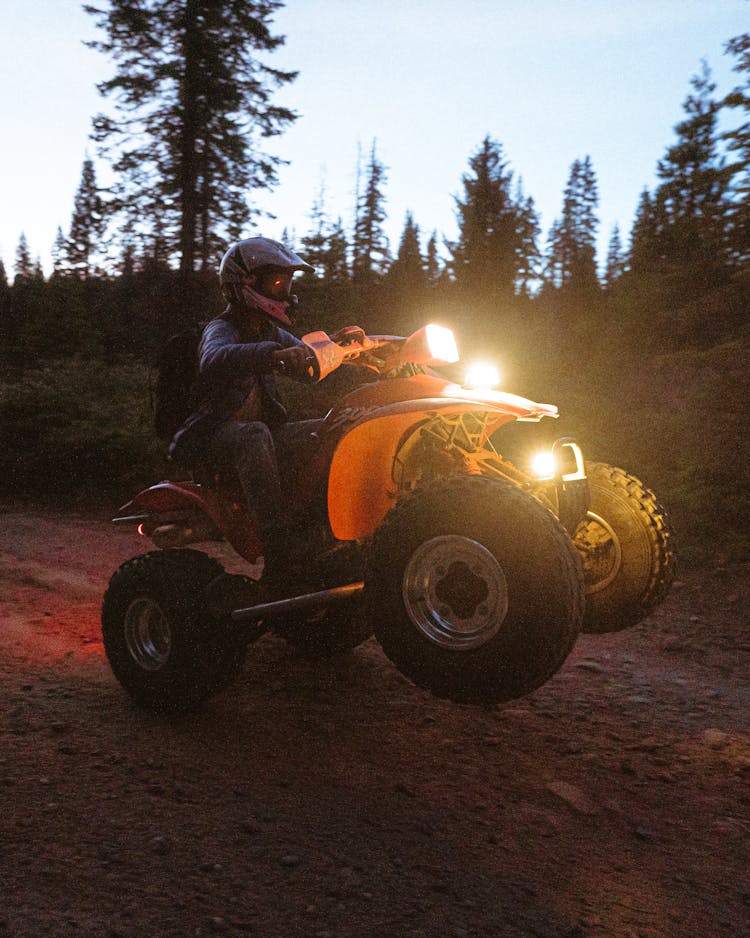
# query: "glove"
295,362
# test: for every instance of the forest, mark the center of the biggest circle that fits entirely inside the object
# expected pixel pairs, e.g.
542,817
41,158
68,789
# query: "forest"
645,352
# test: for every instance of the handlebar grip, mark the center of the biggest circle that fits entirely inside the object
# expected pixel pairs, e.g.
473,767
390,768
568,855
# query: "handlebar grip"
311,366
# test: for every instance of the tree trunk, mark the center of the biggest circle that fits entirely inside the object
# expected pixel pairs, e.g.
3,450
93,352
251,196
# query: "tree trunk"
188,174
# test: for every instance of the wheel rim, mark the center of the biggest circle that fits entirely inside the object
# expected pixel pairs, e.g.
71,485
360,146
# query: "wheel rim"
148,635
600,550
455,592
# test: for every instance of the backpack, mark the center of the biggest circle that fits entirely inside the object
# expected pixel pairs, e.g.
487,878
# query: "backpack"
172,392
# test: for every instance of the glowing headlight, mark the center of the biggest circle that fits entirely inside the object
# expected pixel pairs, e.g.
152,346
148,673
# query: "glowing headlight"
481,375
441,343
544,465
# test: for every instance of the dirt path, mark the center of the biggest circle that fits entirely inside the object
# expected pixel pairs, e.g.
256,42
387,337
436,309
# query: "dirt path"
337,800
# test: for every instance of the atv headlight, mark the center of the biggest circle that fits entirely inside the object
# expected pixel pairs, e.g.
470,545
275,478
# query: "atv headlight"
481,376
544,465
441,343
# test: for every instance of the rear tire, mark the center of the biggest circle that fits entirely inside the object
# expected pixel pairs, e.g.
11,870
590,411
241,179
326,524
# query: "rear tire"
626,548
474,590
164,646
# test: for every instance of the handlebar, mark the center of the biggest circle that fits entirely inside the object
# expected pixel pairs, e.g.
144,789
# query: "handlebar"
431,344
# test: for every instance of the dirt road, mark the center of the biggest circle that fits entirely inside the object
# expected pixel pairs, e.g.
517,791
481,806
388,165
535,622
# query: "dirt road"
337,800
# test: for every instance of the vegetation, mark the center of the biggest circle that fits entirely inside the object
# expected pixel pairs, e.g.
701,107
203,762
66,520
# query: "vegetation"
646,354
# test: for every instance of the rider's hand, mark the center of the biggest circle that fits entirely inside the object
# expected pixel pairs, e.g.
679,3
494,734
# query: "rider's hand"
294,362
348,335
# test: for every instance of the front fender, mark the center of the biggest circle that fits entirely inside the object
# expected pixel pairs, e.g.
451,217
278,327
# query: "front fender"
361,486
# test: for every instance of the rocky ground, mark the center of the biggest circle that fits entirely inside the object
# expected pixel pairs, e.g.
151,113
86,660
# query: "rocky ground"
337,800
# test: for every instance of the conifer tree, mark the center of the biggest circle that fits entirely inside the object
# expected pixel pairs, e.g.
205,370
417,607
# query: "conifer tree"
59,254
407,271
370,244
528,231
738,141
492,253
615,263
192,98
738,138
314,242
644,255
87,224
432,261
334,260
24,268
572,240
691,204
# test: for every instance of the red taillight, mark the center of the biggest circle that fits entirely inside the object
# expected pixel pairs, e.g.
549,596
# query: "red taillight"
140,530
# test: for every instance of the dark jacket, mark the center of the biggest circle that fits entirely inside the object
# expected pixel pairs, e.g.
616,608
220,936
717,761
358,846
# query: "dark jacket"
230,368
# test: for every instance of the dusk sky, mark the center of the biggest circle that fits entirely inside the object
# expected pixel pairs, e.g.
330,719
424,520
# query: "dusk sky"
552,81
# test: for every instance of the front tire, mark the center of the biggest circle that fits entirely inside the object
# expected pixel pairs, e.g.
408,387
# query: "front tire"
164,646
626,547
474,590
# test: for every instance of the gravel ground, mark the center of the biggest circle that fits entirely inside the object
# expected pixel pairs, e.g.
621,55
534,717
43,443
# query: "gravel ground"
336,799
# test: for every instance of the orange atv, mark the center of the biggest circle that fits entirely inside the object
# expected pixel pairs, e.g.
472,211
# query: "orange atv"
475,575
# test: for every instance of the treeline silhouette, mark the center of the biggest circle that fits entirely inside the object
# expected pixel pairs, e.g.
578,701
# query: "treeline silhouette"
646,354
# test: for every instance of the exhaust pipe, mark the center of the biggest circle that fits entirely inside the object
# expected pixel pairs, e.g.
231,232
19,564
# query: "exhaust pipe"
281,607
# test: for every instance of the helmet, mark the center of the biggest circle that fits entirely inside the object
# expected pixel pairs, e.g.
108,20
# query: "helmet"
257,273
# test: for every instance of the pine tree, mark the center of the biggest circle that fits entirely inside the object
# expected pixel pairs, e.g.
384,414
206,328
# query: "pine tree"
691,204
59,254
87,224
528,231
314,242
24,269
191,99
645,251
738,138
492,254
432,262
370,244
289,238
738,141
615,264
334,260
572,241
407,272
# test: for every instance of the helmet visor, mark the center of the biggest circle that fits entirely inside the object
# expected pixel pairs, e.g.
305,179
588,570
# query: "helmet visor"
275,284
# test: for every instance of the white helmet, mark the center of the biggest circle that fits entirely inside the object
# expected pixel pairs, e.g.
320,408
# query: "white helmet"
257,273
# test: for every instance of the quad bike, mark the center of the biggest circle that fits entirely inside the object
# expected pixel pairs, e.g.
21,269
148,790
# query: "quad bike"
476,575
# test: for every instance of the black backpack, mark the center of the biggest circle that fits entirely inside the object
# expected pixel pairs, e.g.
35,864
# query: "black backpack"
172,391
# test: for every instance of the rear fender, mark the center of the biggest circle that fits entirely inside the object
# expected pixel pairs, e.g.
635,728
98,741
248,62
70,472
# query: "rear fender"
229,517
361,486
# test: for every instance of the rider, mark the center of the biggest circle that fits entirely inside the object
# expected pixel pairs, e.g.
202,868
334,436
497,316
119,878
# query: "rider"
239,422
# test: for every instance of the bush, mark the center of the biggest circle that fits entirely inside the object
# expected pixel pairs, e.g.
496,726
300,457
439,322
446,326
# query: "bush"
77,427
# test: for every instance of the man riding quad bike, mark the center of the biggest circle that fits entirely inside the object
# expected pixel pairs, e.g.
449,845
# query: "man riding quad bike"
401,519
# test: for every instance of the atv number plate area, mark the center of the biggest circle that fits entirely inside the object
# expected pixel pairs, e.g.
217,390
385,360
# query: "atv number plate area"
455,592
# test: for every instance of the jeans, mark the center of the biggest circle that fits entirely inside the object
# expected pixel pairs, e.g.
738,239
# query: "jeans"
261,459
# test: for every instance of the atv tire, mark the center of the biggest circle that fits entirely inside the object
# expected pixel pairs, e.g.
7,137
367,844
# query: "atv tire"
626,547
164,646
474,590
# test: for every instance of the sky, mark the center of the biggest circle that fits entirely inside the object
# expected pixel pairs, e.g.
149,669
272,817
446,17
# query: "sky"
551,80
